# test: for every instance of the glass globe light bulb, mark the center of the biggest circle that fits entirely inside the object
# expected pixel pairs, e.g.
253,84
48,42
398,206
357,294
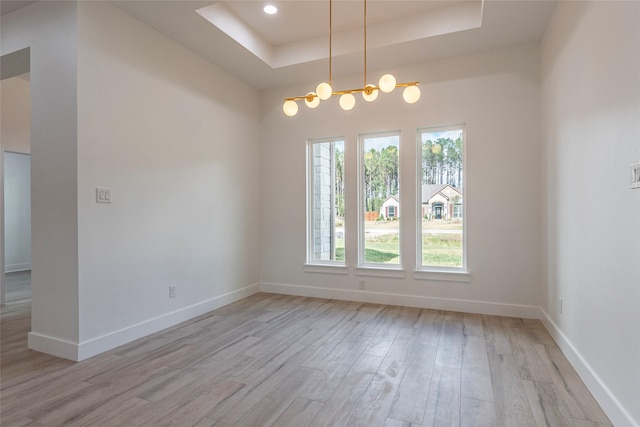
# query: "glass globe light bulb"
324,91
411,94
387,83
369,93
312,100
347,101
290,108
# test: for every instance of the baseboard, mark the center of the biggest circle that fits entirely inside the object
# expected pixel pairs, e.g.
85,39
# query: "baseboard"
450,304
617,414
13,268
53,346
92,347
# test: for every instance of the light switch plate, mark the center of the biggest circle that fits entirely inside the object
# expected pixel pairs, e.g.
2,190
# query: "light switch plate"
635,175
103,195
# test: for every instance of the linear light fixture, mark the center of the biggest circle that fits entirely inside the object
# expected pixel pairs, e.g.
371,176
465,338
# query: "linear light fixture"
324,90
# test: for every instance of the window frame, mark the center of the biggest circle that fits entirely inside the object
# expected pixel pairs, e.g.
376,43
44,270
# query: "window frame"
375,268
315,265
433,272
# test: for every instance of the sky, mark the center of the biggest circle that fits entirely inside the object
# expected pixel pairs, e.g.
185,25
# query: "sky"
378,143
453,134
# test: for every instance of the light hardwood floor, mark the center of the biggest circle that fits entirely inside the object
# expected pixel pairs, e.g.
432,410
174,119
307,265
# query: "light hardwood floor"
274,360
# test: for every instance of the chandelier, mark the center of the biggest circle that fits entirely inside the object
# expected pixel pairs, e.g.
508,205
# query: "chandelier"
324,90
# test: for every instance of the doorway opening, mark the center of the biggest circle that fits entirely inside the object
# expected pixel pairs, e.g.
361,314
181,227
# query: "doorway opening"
15,178
17,225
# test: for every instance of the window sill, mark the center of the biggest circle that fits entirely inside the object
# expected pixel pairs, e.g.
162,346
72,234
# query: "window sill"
443,275
380,272
326,268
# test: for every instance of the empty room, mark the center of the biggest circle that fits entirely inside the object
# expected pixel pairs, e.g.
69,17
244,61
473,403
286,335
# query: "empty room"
320,213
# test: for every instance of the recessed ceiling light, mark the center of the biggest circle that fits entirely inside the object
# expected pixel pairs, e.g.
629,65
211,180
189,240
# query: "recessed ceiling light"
270,9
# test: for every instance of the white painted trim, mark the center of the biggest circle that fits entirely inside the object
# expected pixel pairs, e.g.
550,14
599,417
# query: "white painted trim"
419,132
380,272
117,338
326,268
12,268
617,414
94,346
443,275
362,263
465,306
309,199
53,346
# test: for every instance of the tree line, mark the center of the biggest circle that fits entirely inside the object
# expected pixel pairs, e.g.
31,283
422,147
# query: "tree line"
381,177
441,164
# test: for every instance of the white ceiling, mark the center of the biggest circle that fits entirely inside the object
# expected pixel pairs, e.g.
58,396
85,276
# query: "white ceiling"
301,20
299,34
292,46
8,6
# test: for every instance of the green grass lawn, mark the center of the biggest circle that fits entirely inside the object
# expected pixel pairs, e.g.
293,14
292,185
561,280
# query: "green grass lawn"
441,250
384,249
381,249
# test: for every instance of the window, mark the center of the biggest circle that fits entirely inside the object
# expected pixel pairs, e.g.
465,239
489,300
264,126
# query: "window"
391,212
325,231
457,211
379,216
440,184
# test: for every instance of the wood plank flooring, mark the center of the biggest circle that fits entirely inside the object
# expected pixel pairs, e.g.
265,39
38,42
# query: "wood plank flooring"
275,360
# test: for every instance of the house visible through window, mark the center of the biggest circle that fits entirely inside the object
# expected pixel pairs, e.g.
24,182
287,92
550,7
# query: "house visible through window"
379,180
441,228
440,201
325,201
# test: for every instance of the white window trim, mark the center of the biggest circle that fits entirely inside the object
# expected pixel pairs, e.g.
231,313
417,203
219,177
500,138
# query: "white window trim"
365,268
326,268
442,274
380,270
429,272
323,266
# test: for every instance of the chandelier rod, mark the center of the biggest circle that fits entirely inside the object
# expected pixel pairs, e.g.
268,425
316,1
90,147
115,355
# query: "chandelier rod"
330,40
324,91
365,44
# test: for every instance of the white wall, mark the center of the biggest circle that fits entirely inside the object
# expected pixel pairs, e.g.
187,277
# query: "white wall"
591,132
17,212
177,140
496,95
15,131
49,29
117,105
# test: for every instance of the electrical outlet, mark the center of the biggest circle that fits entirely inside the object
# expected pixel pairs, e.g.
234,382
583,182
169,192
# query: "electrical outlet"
172,291
560,305
361,284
